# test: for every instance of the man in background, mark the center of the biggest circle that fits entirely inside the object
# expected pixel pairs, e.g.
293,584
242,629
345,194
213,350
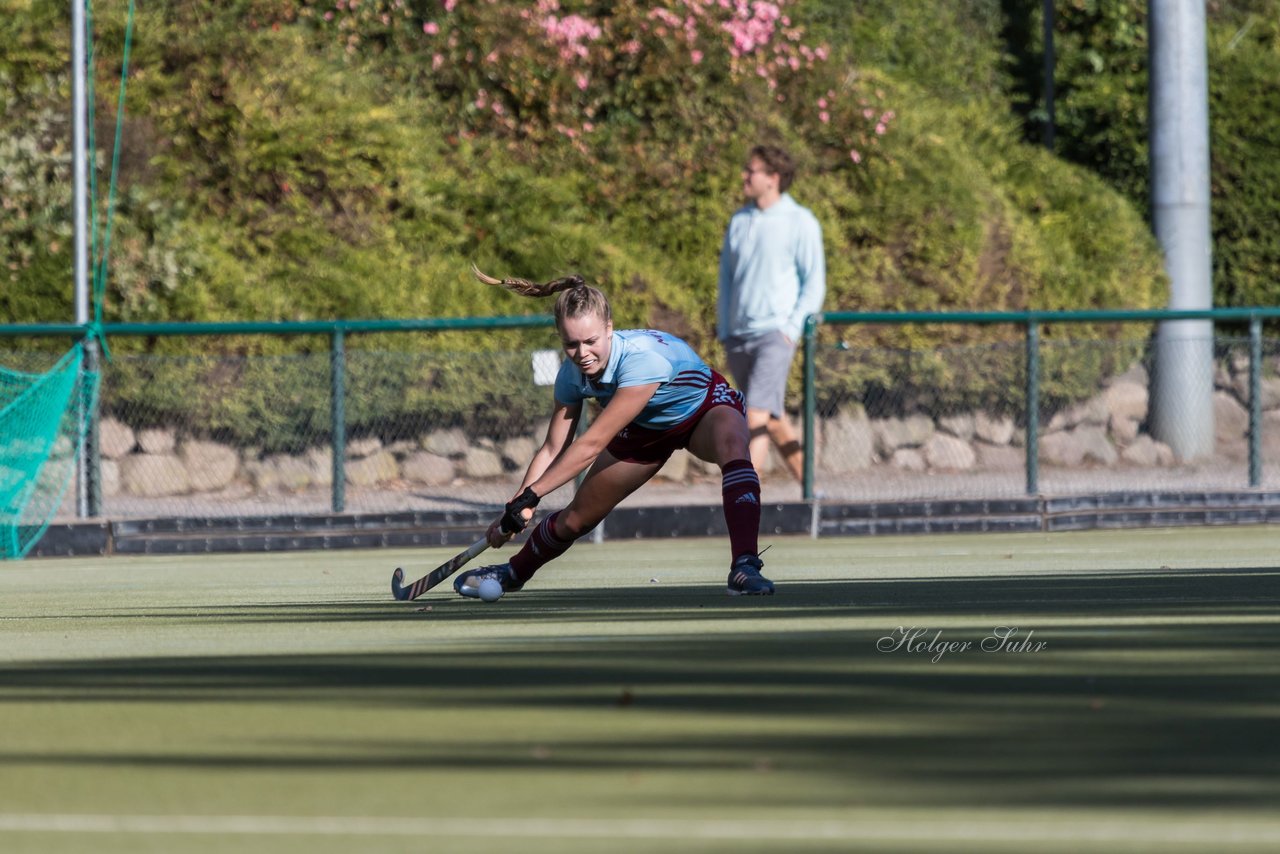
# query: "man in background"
772,275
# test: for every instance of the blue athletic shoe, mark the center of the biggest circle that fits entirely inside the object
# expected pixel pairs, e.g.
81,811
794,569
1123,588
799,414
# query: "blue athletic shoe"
745,578
468,584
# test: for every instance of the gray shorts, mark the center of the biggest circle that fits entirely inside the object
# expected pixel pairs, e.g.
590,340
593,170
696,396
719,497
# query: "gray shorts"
760,366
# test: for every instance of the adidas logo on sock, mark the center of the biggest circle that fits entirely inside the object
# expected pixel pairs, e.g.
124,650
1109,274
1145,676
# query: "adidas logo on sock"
748,498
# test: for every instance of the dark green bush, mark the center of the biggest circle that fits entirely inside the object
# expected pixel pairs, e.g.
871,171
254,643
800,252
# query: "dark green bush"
1245,123
953,49
1101,120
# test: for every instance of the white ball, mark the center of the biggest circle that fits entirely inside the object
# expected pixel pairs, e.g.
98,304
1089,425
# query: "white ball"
491,590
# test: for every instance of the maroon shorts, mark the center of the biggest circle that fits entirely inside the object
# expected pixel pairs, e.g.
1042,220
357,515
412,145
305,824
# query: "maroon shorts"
644,445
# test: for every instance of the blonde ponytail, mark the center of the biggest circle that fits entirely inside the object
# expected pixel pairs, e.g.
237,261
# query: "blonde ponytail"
576,299
526,288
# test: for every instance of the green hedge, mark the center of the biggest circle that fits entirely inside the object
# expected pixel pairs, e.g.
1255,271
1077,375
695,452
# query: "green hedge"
1245,110
283,166
1101,119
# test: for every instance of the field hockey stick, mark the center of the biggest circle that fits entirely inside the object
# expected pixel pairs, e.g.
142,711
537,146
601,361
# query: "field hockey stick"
435,576
512,522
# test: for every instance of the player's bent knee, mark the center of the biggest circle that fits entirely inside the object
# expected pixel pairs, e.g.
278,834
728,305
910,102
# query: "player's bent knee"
571,525
731,451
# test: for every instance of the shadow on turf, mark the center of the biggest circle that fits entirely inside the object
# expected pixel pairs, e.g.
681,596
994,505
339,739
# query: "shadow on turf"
1147,593
1118,710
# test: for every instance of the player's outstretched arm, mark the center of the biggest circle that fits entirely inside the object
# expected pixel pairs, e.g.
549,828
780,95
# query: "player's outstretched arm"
560,433
621,410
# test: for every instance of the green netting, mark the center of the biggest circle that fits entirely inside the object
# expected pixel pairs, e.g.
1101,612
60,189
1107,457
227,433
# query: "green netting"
42,421
45,416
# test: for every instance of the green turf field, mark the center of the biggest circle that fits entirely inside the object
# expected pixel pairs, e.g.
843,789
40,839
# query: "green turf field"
623,703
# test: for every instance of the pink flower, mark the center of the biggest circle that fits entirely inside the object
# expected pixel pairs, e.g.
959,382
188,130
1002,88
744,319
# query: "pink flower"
570,33
436,62
824,116
855,156
880,129
822,102
431,28
581,80
449,4
866,114
666,16
766,11
696,56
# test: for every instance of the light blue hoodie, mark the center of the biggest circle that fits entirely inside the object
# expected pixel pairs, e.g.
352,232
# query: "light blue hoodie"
773,272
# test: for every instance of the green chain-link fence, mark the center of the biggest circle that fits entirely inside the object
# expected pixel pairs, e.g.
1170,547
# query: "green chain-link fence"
220,435
201,433
414,425
956,422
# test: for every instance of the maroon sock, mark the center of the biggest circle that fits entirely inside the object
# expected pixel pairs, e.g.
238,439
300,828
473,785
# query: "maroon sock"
543,545
741,491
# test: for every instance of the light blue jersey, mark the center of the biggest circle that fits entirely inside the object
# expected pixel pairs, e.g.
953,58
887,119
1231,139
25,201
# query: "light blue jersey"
640,357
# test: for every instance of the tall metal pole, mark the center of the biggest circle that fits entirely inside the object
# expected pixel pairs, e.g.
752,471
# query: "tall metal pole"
80,200
1182,385
1033,408
810,405
338,417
